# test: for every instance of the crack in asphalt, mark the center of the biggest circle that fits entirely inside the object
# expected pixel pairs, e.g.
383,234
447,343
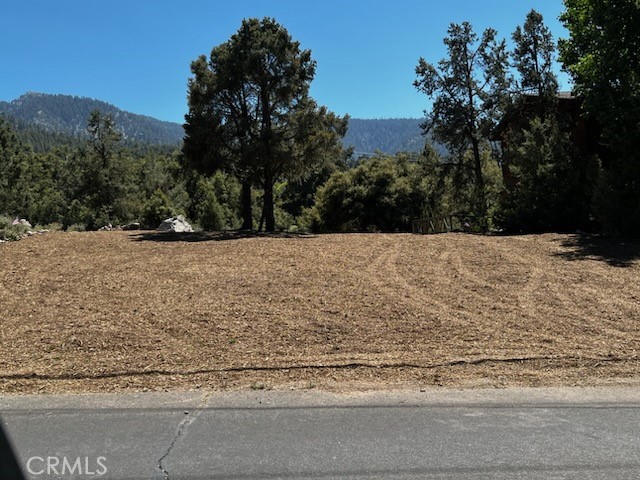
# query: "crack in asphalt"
181,431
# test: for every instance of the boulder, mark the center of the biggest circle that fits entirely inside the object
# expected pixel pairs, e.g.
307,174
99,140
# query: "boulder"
25,223
177,224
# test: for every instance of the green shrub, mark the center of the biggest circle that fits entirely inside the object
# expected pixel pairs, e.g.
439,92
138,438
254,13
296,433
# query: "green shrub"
13,232
157,209
5,221
52,227
77,227
205,206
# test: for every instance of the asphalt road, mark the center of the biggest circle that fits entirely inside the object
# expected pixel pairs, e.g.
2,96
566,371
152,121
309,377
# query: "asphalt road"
446,434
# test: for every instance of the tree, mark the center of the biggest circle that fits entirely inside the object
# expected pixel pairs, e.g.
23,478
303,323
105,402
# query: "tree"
554,187
103,176
601,55
549,180
468,90
14,161
250,112
534,57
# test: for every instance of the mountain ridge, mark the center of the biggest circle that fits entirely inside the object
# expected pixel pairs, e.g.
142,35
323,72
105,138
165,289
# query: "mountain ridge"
68,114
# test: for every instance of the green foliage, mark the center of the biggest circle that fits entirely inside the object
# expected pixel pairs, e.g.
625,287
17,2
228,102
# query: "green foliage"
388,135
207,209
469,89
157,208
77,213
46,121
554,183
377,195
214,201
14,163
534,57
97,183
77,227
5,221
617,197
11,232
250,112
601,54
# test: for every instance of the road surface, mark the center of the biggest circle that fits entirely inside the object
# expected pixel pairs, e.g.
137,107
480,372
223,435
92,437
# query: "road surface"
446,434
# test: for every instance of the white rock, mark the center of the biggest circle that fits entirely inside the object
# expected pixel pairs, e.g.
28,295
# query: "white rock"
25,223
177,224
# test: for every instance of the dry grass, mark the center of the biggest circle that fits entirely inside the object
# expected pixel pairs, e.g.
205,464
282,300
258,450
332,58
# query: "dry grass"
112,311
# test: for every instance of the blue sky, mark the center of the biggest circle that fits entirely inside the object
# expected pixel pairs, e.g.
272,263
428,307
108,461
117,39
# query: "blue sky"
135,54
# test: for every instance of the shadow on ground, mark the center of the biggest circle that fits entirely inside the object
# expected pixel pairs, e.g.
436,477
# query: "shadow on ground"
211,236
615,252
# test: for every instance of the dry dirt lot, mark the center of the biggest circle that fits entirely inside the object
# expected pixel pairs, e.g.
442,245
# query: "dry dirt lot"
113,311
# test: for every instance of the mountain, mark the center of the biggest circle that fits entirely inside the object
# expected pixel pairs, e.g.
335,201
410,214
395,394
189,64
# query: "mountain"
67,115
388,135
45,120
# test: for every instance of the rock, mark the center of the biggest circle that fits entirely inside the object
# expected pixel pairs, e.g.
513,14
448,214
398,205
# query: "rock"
25,223
131,226
106,228
177,224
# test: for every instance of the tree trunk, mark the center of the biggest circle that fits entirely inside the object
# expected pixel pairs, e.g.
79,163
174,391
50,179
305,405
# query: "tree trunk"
480,193
268,211
266,136
245,200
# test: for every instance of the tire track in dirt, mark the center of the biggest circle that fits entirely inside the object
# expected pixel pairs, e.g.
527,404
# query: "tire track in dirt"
542,301
385,274
436,310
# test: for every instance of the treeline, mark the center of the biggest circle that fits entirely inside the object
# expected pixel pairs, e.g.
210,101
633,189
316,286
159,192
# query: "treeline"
102,180
515,154
98,182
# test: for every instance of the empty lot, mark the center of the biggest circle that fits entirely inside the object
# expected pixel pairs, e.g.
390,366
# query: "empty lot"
110,311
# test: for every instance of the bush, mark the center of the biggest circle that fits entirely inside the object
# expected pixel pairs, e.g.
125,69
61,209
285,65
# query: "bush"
77,213
157,209
5,221
205,206
13,232
380,194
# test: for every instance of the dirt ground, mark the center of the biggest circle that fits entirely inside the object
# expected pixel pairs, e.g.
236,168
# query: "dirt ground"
136,311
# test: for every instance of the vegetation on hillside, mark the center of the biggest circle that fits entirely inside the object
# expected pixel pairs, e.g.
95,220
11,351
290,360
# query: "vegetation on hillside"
510,150
385,135
67,115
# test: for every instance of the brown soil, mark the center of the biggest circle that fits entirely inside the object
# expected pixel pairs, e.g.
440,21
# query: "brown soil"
114,311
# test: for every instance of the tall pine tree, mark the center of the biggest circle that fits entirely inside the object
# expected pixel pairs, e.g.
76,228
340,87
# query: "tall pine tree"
250,112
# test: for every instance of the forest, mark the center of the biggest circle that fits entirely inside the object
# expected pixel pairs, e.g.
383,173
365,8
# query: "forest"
258,152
